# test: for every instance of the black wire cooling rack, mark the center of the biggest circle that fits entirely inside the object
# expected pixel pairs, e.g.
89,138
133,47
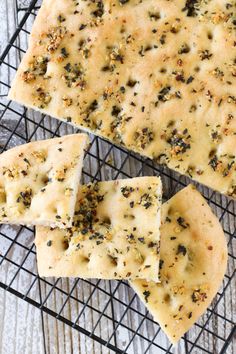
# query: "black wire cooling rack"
107,312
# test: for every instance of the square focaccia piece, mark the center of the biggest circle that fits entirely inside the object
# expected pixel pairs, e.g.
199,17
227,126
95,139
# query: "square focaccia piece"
115,233
193,261
39,181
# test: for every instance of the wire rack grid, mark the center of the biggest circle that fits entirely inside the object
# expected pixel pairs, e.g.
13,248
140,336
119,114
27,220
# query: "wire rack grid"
107,312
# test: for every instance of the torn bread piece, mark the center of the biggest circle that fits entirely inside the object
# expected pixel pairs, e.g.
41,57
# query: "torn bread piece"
162,83
115,233
39,181
192,264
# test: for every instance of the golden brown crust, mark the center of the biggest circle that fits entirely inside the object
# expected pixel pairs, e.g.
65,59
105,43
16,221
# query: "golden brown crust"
162,82
192,266
115,233
39,181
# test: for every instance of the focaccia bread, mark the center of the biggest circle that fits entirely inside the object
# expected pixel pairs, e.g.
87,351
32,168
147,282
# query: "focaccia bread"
39,181
115,233
193,261
158,77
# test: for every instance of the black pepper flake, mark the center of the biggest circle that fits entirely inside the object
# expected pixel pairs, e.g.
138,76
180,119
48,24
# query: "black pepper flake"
141,51
178,94
141,239
152,244
107,68
82,26
179,77
131,83
184,49
92,107
148,47
146,294
49,243
162,94
130,238
191,8
27,161
189,80
84,231
100,9
163,39
154,16
181,249
161,263
190,314
181,221
115,111
64,52
61,18
67,67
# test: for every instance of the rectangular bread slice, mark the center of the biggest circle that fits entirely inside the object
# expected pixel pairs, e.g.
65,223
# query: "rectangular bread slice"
193,261
39,181
115,233
162,82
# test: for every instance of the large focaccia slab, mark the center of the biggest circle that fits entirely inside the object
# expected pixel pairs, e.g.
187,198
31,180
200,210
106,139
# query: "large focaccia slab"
115,233
39,181
158,77
193,261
